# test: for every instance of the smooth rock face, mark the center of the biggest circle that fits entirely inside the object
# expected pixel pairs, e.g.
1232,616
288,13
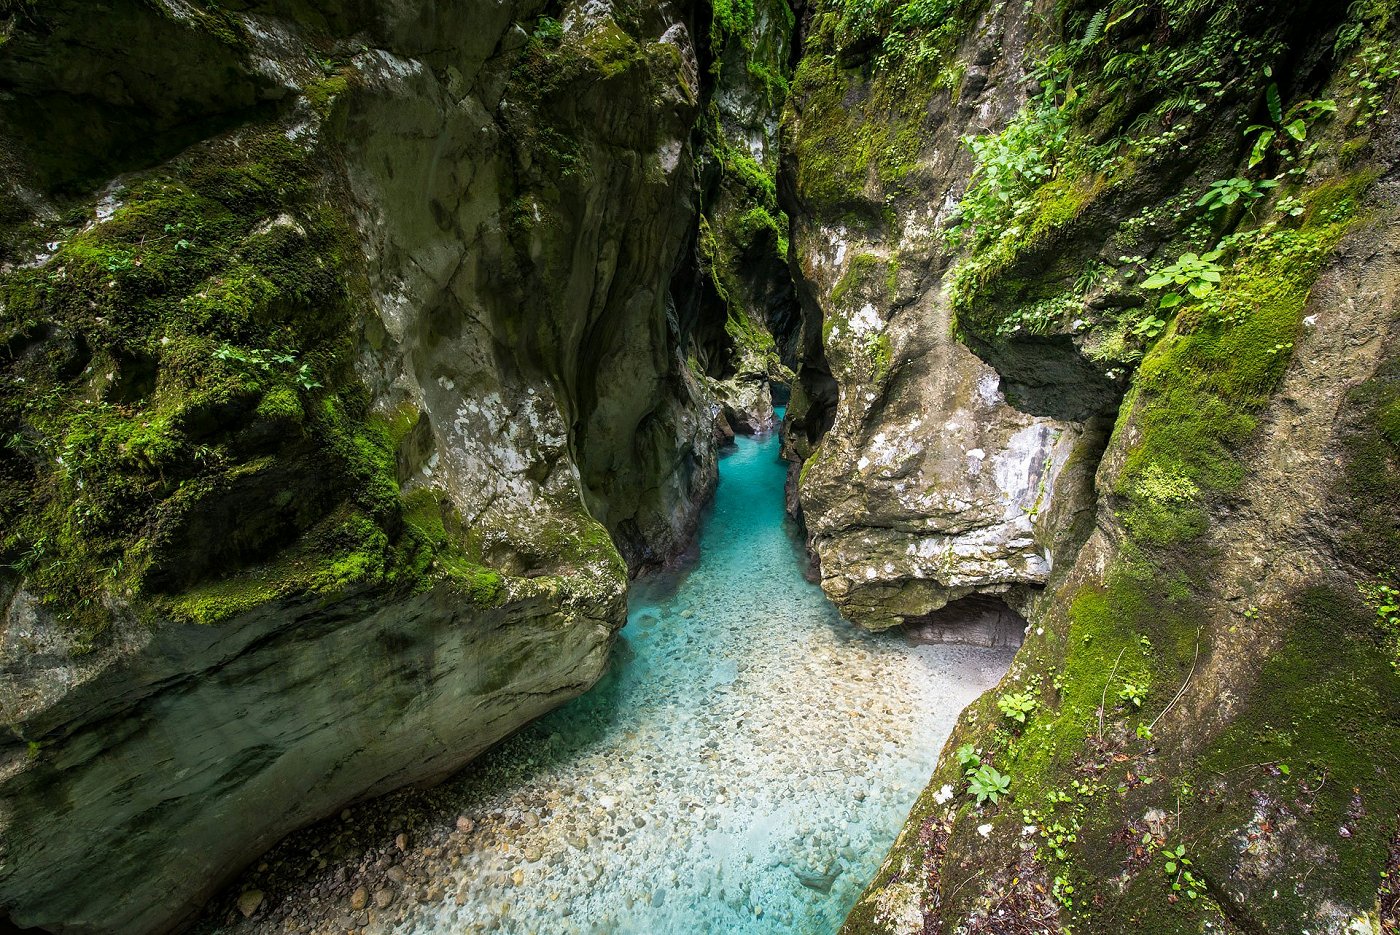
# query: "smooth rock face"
928,486
517,330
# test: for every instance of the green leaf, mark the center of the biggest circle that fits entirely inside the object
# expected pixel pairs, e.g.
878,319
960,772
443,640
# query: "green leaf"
1171,866
1275,104
1261,148
1298,130
1171,300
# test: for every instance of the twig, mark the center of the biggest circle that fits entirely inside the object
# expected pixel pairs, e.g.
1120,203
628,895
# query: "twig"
1314,792
1247,766
967,880
1104,700
1183,684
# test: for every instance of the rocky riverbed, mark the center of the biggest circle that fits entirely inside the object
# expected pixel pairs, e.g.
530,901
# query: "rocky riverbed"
742,768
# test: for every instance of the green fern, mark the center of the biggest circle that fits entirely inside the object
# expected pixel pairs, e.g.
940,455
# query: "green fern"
1095,30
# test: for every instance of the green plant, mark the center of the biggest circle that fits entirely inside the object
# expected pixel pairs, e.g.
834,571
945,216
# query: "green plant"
1385,601
1132,692
1016,706
1197,275
268,361
1150,326
1227,192
968,760
549,29
1063,891
1285,126
1377,72
1177,867
987,784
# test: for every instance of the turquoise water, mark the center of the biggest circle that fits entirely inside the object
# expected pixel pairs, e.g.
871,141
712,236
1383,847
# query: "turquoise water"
745,740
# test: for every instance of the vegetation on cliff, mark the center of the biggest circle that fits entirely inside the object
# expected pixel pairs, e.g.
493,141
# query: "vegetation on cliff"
1159,213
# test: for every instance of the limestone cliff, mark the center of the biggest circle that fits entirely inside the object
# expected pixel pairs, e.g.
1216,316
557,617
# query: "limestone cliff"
337,339
1100,316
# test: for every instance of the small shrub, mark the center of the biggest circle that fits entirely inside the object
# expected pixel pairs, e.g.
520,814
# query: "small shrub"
987,784
1016,706
1197,275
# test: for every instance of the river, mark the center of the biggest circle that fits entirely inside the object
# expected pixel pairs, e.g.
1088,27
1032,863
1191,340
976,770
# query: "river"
741,769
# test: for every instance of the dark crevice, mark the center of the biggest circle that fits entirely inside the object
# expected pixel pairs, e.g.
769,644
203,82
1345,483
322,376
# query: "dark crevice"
977,620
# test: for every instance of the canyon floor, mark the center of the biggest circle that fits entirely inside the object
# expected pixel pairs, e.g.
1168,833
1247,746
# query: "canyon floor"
742,768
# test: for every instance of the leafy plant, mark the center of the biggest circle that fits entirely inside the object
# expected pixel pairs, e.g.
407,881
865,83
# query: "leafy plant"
1227,192
1285,126
1196,275
1385,601
988,784
1016,706
1063,891
549,29
968,760
1132,692
1150,327
268,361
1177,866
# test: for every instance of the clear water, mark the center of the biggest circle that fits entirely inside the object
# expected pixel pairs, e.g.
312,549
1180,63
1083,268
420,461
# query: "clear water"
745,739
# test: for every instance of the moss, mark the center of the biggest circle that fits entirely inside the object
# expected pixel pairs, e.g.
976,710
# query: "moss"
857,135
859,276
989,302
1200,388
322,94
166,352
881,355
1370,479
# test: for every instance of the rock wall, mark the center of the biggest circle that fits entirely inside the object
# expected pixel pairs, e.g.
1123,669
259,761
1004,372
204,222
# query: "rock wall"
928,485
337,342
1100,318
742,280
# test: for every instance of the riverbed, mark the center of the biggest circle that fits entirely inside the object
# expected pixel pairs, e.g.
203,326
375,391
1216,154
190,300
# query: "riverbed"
742,768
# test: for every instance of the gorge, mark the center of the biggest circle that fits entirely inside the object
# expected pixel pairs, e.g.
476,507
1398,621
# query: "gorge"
369,367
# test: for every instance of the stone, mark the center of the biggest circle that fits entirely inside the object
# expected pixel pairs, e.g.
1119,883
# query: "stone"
249,901
383,898
465,825
359,899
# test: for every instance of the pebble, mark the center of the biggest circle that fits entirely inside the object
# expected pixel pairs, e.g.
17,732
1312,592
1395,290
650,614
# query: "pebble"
249,901
465,825
359,899
383,898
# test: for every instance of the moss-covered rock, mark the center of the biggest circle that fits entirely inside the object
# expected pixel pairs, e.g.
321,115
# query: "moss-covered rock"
328,385
1195,756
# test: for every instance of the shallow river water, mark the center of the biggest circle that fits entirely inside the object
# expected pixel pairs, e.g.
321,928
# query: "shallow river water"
741,769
